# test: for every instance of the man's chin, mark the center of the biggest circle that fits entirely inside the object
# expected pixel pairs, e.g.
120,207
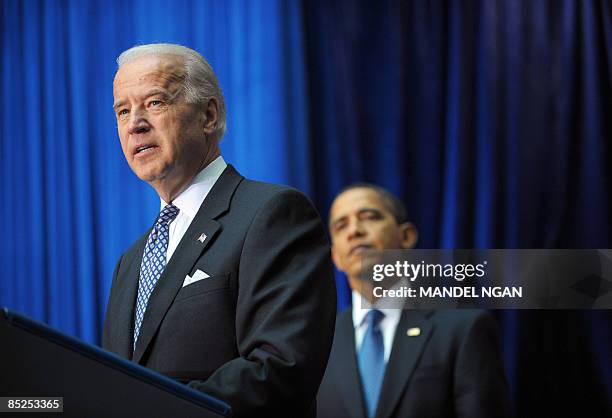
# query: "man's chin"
358,279
148,177
365,289
150,173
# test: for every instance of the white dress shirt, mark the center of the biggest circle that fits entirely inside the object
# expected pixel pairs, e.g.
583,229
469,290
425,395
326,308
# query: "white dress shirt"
388,324
190,200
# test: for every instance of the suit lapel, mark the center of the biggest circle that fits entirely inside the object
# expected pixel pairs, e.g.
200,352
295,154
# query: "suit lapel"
346,375
406,353
127,286
185,256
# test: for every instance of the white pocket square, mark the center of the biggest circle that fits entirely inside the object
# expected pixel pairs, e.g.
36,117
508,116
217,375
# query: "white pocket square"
197,276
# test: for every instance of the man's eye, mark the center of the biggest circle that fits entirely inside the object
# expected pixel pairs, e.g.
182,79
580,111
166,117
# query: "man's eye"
370,215
155,103
339,226
122,112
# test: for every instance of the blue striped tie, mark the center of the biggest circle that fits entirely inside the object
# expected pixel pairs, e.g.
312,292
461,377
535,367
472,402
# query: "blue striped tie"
153,263
372,361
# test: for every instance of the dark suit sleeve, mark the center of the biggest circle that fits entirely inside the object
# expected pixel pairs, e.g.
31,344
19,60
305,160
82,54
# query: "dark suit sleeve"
106,338
285,313
480,384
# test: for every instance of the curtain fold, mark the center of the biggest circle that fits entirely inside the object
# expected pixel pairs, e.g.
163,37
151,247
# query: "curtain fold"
72,204
499,115
491,119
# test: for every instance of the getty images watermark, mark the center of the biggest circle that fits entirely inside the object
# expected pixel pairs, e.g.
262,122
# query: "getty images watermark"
459,272
495,279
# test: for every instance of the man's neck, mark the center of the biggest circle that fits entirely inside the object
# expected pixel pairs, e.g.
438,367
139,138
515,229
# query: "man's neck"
169,190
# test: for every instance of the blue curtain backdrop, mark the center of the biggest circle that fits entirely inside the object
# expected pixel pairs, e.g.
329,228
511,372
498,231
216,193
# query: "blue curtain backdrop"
491,119
73,204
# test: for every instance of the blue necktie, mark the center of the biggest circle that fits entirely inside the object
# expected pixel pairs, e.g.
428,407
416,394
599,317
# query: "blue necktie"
372,361
153,263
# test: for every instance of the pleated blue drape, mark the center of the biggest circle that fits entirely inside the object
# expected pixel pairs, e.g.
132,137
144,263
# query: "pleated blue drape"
491,119
72,204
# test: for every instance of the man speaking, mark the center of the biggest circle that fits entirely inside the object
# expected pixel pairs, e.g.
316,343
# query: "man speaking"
231,290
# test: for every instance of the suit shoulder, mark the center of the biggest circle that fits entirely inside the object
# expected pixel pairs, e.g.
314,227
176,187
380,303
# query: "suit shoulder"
462,319
343,337
265,191
257,195
344,317
136,246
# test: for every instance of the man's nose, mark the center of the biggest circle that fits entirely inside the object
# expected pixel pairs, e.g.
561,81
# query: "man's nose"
355,229
138,123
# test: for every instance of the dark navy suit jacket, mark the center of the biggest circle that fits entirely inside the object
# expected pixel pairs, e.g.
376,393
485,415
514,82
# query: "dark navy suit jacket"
451,369
257,333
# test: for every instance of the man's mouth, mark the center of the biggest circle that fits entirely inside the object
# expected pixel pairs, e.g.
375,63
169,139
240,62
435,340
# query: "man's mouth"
144,149
359,249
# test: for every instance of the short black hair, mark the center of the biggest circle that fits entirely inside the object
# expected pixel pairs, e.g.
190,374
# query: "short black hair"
395,206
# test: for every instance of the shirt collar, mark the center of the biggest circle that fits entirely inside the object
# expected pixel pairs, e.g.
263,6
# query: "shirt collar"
361,307
190,199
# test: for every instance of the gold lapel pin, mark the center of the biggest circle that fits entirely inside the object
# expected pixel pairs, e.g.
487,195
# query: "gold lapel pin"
413,332
202,238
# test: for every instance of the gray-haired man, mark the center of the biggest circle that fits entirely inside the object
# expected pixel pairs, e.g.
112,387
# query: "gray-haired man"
231,290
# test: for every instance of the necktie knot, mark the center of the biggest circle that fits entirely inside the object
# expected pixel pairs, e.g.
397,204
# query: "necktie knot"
167,214
373,318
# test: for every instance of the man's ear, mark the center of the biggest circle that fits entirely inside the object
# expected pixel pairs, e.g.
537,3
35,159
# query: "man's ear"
336,259
211,116
408,235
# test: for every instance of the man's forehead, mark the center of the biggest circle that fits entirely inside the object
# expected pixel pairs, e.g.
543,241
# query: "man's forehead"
355,200
163,70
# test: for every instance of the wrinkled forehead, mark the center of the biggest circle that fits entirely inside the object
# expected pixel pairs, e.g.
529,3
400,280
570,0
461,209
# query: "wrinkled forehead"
166,71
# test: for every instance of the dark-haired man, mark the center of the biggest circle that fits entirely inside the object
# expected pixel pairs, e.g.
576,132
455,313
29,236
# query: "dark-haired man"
391,363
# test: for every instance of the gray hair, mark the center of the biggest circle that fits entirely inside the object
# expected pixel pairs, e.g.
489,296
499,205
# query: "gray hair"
200,84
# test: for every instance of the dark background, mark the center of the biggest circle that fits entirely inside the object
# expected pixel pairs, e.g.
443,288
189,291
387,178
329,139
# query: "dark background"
491,119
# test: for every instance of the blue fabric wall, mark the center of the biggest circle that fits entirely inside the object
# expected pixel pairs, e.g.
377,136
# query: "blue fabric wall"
492,120
73,205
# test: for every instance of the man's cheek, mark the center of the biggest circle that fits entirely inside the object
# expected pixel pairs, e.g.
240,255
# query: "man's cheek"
124,148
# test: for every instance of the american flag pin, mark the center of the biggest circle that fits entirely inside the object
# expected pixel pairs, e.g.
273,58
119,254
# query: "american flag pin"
202,238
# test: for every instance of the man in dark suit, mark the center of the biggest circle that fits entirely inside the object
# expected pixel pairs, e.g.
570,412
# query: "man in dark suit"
231,290
402,363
